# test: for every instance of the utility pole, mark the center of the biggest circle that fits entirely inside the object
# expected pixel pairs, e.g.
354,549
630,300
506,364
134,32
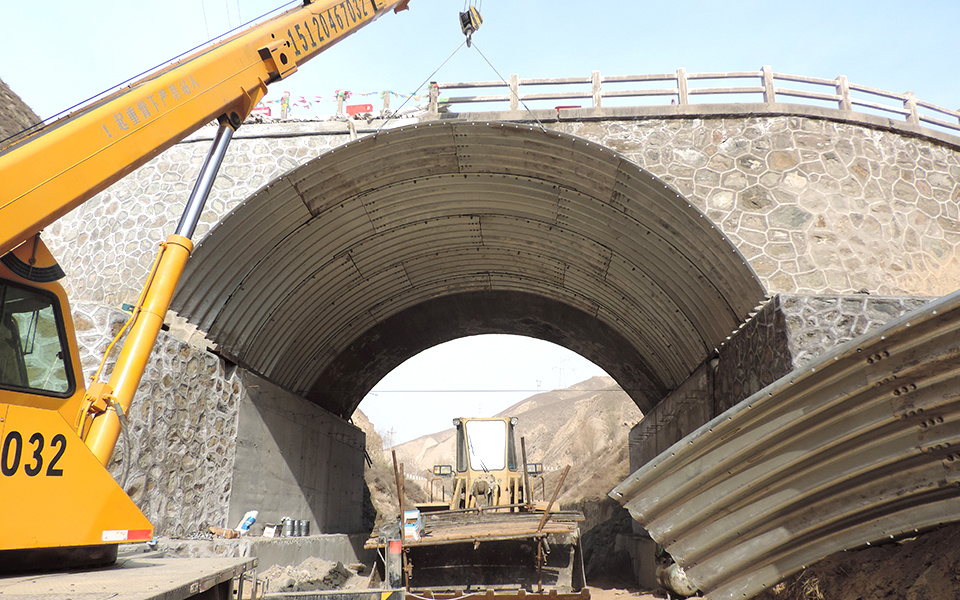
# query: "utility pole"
389,440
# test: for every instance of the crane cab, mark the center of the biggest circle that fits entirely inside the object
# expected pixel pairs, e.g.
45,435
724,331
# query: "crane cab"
39,360
44,463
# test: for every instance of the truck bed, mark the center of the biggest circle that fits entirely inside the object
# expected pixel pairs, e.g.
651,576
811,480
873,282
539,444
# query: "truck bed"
146,576
463,552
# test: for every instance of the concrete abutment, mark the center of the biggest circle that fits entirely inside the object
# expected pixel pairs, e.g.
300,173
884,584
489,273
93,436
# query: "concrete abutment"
209,441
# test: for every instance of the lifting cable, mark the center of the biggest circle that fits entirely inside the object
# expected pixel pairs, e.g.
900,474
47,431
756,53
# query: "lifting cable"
512,92
425,81
470,21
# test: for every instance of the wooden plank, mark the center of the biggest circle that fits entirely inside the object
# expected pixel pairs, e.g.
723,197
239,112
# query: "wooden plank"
447,527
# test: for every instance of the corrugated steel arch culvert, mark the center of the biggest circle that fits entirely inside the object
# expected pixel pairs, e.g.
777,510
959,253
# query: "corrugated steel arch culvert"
338,271
858,446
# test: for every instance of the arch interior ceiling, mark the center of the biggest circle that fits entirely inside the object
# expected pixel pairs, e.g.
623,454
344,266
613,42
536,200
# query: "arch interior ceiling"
323,256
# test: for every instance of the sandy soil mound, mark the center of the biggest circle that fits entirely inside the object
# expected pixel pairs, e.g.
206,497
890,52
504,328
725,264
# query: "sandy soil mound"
923,568
381,504
584,426
313,574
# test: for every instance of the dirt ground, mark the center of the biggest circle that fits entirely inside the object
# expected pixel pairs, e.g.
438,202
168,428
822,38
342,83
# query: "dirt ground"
315,574
600,593
923,568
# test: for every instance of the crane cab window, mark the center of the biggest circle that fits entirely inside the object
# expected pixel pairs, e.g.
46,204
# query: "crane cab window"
33,352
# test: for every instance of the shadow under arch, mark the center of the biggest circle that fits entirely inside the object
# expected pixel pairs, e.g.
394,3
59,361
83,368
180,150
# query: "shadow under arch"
387,345
335,273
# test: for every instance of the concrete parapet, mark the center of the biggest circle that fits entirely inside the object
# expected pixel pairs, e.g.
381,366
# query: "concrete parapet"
643,556
296,459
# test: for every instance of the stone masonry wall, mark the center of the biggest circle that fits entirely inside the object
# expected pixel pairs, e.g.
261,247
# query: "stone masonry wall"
787,332
108,244
182,426
814,206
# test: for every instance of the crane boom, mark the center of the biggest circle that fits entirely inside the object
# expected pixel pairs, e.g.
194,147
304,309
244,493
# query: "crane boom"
56,437
47,174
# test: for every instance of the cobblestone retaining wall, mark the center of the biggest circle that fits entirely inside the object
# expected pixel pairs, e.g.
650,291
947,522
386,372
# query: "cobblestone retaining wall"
182,427
755,357
108,244
793,329
788,332
815,206
819,323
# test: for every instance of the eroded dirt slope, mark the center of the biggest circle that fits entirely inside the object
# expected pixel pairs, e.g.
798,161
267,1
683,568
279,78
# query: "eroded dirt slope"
923,568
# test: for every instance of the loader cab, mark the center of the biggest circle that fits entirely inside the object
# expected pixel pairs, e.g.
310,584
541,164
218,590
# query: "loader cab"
488,472
486,445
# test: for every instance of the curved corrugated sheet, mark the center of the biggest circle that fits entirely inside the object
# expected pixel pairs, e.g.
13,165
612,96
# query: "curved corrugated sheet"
306,266
860,445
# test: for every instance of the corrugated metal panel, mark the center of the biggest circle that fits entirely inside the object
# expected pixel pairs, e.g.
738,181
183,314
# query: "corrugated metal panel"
306,265
859,445
241,238
282,267
528,198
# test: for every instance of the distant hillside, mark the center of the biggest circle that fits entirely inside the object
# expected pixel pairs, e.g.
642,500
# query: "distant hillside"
584,426
380,504
15,115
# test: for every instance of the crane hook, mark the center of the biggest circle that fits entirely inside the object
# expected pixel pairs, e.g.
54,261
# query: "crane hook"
470,21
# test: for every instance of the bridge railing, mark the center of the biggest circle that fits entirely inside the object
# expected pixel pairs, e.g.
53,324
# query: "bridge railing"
768,87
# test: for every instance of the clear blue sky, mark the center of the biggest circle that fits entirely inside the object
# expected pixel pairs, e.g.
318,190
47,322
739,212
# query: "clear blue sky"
57,53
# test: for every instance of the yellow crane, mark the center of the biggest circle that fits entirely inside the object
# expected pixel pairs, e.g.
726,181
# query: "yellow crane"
56,496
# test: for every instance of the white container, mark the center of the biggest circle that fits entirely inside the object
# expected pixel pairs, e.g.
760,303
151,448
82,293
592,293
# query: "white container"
412,525
248,520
